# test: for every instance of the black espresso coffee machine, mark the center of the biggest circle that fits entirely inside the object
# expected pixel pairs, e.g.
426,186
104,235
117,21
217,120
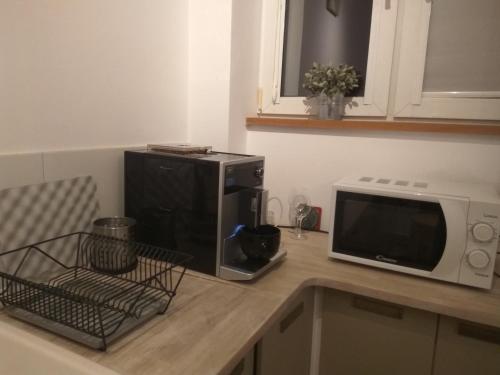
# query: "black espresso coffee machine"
194,203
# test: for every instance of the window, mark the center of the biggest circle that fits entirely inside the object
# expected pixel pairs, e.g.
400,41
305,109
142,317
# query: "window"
449,60
315,33
297,33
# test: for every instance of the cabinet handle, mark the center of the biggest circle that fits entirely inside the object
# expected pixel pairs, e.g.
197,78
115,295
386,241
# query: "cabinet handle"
378,307
238,370
166,168
166,210
479,332
292,317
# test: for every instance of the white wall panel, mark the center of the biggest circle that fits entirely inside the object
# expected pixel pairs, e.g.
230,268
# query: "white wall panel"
20,169
208,74
92,73
245,45
313,160
104,165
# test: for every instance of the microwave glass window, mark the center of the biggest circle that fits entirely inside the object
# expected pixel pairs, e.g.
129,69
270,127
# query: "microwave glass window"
405,232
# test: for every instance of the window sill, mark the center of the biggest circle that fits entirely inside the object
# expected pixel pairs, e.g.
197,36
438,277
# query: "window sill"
370,125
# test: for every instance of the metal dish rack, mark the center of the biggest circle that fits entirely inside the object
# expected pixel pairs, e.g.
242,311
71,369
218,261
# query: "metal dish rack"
57,284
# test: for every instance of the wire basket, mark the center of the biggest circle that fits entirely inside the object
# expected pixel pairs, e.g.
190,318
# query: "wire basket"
60,284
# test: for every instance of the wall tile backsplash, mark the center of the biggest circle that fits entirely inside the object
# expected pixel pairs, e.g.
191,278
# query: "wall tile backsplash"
34,213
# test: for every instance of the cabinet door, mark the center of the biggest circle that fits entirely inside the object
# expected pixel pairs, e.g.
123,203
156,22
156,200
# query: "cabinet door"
365,336
465,348
286,348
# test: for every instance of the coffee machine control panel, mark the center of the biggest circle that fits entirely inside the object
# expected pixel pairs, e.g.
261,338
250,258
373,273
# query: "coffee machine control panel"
259,172
244,175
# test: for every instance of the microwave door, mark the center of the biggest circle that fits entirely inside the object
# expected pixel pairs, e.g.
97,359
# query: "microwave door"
398,231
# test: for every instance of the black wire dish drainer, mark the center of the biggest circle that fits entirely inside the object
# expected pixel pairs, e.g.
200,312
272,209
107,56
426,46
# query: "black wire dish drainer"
88,287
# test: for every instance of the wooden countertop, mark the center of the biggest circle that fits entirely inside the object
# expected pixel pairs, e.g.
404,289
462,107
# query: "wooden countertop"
212,323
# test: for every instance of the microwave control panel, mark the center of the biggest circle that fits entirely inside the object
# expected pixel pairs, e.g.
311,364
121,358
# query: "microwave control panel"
482,245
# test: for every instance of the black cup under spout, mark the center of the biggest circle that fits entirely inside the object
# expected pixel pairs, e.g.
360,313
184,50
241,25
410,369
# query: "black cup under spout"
261,242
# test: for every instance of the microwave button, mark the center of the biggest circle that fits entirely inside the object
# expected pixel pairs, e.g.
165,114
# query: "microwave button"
478,259
483,232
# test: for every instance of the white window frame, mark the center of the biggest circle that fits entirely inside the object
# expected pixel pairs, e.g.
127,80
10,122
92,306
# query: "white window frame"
378,74
410,99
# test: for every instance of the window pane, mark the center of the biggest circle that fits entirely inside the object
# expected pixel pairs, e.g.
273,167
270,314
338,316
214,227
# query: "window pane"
463,50
315,34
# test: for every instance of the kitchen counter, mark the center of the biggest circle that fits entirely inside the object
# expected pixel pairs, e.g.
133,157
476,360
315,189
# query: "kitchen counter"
213,323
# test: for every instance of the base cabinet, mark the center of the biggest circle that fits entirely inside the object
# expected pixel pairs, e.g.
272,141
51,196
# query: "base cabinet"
363,336
286,347
465,348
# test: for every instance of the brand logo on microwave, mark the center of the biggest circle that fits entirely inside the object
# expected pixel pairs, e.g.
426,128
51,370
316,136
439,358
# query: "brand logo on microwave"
384,259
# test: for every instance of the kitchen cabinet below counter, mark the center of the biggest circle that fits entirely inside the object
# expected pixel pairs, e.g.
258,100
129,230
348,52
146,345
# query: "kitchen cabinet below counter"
364,336
286,347
352,334
464,348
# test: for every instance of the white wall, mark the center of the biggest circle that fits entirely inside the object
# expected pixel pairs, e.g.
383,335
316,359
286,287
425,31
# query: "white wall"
313,160
21,169
87,73
105,165
124,80
245,46
224,43
83,76
208,74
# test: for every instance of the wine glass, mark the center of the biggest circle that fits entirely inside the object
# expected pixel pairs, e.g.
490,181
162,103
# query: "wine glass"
302,208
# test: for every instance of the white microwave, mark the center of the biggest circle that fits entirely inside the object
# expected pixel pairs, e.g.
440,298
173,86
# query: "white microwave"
444,231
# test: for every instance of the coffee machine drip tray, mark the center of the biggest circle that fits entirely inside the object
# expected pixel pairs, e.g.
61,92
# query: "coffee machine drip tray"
237,266
249,269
